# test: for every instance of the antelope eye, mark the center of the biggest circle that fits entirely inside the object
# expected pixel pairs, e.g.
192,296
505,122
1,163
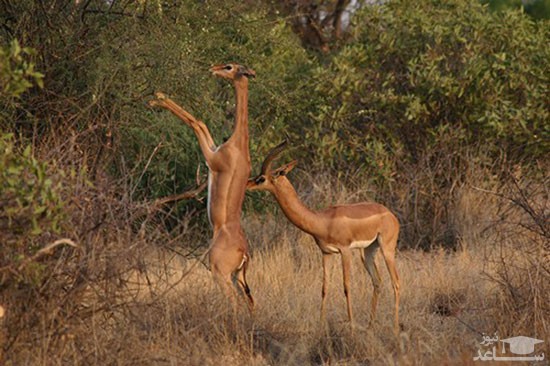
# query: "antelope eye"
260,180
228,67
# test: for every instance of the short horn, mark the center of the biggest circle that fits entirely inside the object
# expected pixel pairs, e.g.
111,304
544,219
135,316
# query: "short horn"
272,155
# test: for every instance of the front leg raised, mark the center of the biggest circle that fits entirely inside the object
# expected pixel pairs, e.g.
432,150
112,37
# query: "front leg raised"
202,133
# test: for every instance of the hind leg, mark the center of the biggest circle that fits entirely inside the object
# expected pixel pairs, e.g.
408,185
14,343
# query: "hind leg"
388,250
367,256
226,285
241,281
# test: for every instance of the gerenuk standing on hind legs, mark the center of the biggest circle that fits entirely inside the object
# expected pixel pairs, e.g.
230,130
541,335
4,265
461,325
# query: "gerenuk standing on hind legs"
228,173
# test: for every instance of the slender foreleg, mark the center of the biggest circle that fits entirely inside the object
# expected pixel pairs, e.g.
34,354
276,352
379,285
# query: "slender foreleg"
367,256
326,258
201,131
346,266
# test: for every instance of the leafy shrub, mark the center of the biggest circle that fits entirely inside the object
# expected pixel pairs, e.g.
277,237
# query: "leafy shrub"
419,67
31,205
29,198
538,9
17,73
415,74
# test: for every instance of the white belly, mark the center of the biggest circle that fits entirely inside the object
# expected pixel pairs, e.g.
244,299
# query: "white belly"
361,244
332,249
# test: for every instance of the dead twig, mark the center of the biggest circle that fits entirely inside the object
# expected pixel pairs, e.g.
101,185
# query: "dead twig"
47,250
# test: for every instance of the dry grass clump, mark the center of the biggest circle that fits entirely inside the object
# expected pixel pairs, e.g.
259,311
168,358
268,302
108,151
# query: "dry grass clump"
132,296
156,317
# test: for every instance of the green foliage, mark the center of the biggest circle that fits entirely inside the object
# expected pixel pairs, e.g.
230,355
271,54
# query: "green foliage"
538,9
17,73
171,52
408,75
421,73
30,206
421,67
17,76
30,200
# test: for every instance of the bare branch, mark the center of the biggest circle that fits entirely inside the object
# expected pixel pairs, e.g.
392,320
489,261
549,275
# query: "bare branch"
192,193
47,250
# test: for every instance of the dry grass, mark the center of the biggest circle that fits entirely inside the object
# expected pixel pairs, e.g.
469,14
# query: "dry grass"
139,303
166,319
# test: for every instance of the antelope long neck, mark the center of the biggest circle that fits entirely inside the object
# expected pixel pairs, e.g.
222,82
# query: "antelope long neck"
240,131
227,187
294,209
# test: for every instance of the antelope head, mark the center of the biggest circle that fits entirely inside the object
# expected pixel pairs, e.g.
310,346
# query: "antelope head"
232,71
268,179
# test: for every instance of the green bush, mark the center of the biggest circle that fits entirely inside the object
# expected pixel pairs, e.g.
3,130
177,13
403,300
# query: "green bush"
171,52
538,9
17,73
414,74
31,206
138,50
30,199
421,67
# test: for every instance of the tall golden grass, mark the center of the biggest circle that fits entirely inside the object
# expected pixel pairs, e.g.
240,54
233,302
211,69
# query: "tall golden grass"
163,309
141,303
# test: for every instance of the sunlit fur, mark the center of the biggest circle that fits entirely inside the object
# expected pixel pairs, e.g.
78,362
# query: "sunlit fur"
338,229
229,169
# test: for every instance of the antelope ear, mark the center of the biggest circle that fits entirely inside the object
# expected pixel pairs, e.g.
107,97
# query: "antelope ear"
290,166
249,73
285,169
